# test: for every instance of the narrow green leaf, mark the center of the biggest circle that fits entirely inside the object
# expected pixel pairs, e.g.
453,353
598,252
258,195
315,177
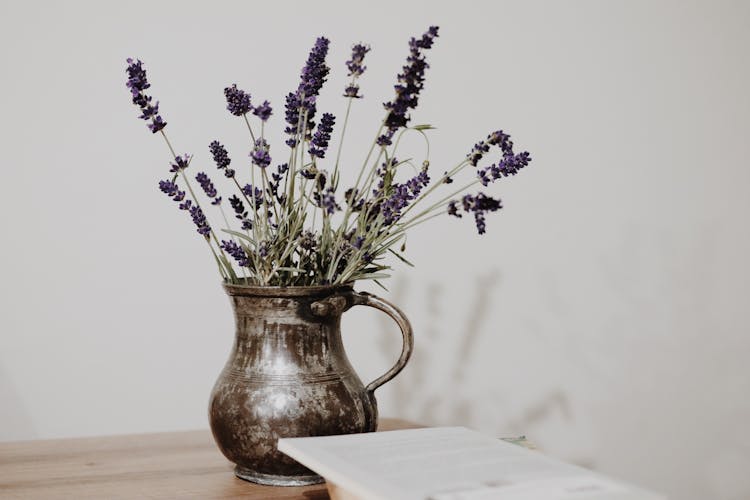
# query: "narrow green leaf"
401,258
381,285
240,235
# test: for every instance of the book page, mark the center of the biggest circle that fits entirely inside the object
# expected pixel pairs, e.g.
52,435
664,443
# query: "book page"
449,463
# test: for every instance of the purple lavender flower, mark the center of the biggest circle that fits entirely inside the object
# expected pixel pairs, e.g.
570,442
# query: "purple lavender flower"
356,68
199,219
238,101
264,111
208,187
171,189
238,207
497,138
453,209
240,213
479,205
237,252
403,194
180,163
309,173
219,152
477,152
275,182
326,200
319,142
260,155
291,115
156,123
315,71
168,187
396,202
352,90
509,164
221,158
410,84
138,83
302,102
254,193
418,182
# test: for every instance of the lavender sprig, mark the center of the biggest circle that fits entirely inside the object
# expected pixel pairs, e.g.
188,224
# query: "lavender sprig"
221,158
479,204
319,142
238,101
326,200
137,83
402,195
240,213
237,252
260,155
275,185
208,187
509,164
170,189
264,111
410,84
356,69
199,219
302,102
180,163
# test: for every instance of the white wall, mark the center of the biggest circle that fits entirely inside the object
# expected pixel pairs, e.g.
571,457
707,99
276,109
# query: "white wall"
604,314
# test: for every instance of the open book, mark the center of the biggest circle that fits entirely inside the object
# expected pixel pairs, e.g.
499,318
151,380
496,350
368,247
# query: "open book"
447,463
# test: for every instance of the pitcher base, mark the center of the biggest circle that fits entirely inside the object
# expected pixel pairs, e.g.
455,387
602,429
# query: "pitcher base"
276,480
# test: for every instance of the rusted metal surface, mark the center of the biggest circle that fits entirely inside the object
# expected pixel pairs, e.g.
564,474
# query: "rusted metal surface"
288,376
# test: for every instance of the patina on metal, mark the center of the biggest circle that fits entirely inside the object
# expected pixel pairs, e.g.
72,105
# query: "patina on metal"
288,376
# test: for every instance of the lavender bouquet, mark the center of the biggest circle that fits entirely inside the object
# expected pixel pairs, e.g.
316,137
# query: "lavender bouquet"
295,226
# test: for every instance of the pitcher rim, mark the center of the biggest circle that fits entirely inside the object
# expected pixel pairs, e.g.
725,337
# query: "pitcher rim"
282,291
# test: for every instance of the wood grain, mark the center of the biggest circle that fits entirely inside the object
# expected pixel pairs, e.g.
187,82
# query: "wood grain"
166,465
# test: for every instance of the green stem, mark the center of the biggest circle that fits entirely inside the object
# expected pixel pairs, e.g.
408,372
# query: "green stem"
335,178
252,136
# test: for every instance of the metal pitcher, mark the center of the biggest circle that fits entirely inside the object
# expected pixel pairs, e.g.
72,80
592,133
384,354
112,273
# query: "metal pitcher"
288,376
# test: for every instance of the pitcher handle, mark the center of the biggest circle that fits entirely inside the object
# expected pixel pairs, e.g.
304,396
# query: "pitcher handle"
368,299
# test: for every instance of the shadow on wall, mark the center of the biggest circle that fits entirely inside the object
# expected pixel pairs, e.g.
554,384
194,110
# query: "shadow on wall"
15,421
448,400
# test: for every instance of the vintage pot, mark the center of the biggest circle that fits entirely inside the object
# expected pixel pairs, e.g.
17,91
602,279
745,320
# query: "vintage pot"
288,376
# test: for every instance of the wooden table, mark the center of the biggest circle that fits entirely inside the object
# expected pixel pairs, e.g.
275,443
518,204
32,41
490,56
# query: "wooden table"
166,465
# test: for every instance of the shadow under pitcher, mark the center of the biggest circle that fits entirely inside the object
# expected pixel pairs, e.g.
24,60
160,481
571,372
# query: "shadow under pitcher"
288,376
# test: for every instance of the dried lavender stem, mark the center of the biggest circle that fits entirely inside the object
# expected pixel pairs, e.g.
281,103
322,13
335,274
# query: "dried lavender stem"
335,177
